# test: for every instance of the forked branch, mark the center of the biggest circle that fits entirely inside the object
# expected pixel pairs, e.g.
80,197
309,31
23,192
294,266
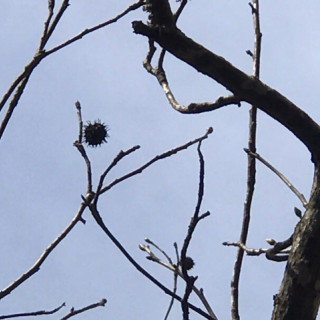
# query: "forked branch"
243,86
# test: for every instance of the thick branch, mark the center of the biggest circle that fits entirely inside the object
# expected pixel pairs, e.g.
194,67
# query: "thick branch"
244,87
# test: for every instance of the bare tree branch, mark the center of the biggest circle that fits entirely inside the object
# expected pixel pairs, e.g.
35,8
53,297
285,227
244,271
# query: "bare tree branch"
98,218
155,159
44,38
36,267
115,161
177,272
159,73
97,27
192,108
49,29
279,252
81,149
33,314
96,215
21,81
244,87
251,170
281,176
190,280
74,312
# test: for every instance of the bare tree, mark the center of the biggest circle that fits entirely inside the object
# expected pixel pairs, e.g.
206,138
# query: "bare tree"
299,294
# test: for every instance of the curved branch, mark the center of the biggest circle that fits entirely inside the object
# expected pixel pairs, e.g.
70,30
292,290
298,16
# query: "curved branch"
245,87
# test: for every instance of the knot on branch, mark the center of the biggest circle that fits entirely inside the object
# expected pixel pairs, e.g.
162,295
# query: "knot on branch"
160,13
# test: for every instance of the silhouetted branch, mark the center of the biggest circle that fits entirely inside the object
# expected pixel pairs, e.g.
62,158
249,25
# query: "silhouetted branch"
155,159
159,73
49,28
115,161
190,280
243,86
100,222
177,272
183,273
280,175
97,27
19,84
279,252
36,267
32,314
22,80
251,169
45,36
81,149
74,312
147,240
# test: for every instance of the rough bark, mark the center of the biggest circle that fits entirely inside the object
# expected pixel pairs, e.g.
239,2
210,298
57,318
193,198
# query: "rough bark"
299,294
245,87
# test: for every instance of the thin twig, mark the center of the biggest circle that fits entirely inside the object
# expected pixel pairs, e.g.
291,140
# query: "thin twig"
175,280
45,35
160,75
49,32
196,218
41,53
25,75
78,144
177,272
74,312
19,86
97,27
176,17
147,240
192,108
190,280
32,314
180,9
280,175
251,170
13,105
152,257
115,161
78,107
98,218
36,267
279,251
100,222
155,159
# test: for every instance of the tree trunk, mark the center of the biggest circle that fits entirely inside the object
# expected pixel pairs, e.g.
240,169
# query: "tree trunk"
299,294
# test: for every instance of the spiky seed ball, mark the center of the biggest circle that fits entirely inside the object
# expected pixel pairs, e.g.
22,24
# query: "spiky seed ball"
95,133
187,263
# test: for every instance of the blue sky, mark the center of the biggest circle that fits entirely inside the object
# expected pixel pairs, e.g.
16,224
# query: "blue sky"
42,176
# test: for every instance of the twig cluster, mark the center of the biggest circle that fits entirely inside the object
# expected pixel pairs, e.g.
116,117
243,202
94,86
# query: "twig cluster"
251,168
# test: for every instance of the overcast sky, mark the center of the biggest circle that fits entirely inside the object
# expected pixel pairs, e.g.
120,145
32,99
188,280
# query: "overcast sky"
42,176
